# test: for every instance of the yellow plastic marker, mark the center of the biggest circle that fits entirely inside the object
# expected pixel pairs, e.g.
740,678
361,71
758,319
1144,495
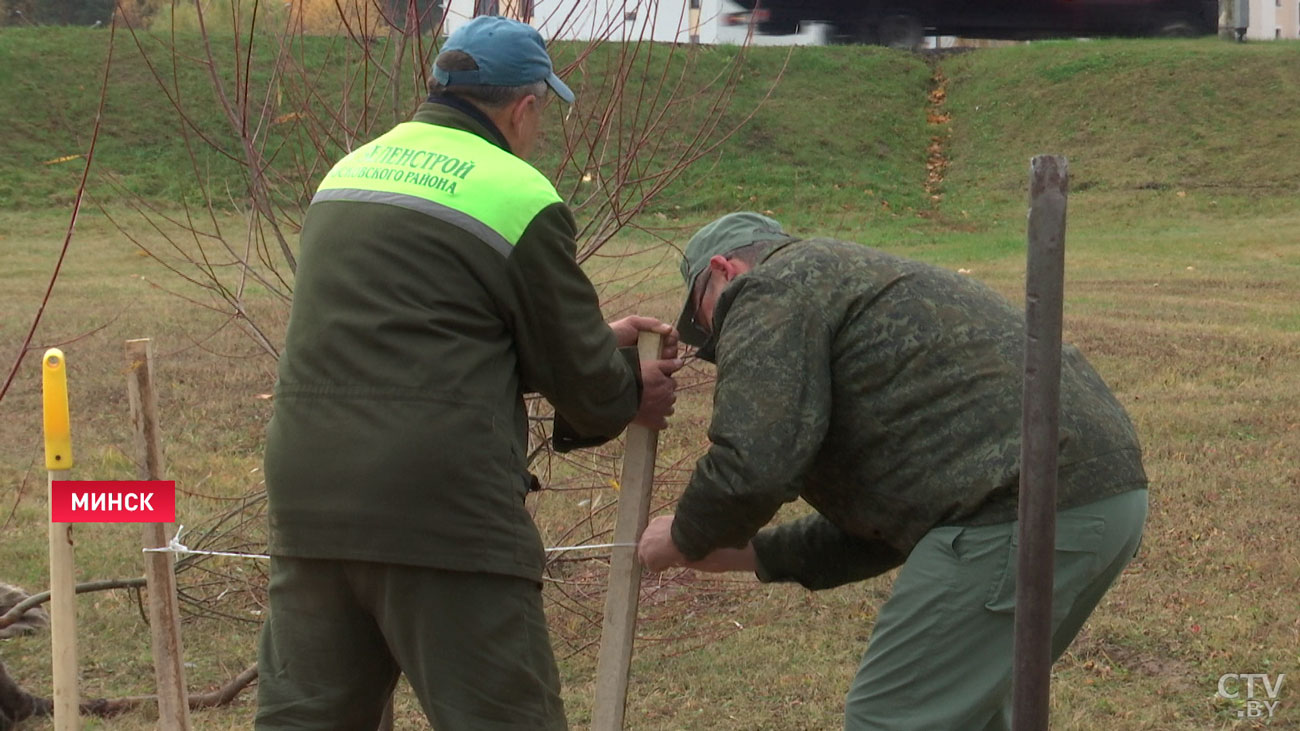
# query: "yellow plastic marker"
63,607
58,434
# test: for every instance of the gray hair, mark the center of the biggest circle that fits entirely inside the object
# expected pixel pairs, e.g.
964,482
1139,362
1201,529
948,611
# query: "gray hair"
490,97
752,253
749,253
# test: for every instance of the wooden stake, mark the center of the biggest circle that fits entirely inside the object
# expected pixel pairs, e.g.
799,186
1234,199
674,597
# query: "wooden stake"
1044,296
164,612
618,630
63,598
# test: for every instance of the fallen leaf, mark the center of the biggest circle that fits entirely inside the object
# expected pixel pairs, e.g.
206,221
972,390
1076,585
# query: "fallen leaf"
65,158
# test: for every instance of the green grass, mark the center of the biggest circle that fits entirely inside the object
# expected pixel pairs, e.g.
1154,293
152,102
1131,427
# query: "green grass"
1182,269
1136,116
868,163
771,164
165,135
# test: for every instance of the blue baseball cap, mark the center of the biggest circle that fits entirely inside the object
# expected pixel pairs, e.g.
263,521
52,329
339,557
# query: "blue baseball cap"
507,52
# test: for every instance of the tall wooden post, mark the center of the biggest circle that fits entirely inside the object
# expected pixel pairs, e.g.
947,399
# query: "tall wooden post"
164,613
63,580
1044,290
618,630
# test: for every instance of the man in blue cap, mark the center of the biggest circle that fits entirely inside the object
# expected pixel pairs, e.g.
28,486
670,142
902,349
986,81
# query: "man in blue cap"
435,287
886,394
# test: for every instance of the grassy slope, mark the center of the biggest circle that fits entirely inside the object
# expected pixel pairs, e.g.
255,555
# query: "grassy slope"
1188,114
1185,302
780,165
50,83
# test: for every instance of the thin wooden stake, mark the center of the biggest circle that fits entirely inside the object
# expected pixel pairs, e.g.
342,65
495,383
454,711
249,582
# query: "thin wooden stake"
63,597
164,612
618,630
1044,296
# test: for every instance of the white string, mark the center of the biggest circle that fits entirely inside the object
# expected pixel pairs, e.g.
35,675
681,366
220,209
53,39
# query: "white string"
175,546
590,545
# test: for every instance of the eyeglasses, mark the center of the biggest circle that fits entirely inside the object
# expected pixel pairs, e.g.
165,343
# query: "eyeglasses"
697,298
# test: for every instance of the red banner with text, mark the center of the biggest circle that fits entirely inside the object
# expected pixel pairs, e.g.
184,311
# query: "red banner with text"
113,501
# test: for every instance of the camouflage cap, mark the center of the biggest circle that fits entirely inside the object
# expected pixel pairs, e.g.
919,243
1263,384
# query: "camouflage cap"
726,234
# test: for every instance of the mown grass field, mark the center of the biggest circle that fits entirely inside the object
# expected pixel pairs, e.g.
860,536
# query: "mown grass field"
1183,269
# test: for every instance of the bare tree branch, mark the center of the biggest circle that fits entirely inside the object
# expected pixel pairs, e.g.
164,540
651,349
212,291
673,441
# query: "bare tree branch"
72,221
18,610
17,705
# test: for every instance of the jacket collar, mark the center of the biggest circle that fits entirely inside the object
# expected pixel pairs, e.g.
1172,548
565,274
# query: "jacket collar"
448,110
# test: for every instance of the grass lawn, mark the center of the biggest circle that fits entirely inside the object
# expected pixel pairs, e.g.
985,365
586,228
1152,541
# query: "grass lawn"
1182,273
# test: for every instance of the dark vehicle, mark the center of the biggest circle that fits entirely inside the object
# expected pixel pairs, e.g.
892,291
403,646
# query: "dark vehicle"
904,23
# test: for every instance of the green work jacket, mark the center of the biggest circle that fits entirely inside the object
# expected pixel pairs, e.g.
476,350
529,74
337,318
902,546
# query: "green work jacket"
886,393
436,285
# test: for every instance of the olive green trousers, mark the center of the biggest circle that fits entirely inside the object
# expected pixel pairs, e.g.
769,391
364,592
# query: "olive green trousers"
940,655
474,648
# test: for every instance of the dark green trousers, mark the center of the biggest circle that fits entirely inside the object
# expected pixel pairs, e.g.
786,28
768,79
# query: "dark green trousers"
474,648
941,653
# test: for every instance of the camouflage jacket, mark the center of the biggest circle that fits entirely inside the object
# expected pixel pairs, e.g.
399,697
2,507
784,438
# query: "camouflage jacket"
887,394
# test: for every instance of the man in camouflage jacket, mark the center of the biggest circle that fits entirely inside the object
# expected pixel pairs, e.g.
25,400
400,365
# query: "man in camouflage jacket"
886,393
